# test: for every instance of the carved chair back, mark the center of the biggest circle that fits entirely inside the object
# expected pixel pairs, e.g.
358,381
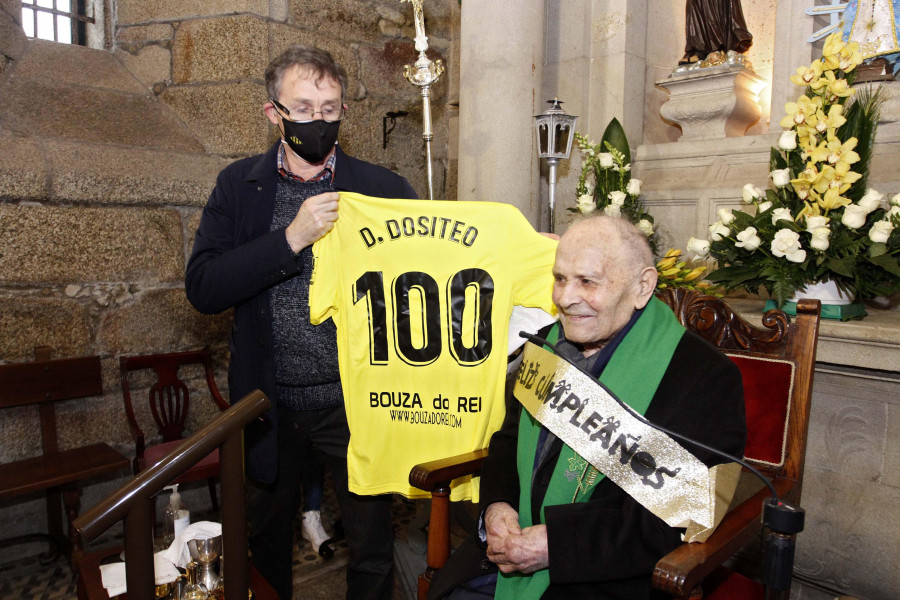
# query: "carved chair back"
169,396
777,363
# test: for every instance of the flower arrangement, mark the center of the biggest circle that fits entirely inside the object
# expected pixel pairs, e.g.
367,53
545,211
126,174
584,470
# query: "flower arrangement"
817,221
614,192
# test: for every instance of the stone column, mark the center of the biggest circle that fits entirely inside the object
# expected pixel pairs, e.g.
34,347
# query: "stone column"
792,28
595,61
500,86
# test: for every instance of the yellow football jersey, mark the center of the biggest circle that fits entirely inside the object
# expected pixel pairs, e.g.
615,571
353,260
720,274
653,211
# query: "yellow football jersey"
421,293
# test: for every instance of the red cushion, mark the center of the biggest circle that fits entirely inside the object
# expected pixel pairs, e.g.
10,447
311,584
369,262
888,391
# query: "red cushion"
207,467
768,385
723,584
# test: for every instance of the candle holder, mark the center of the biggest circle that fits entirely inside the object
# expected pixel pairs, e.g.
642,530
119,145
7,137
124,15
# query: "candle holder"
423,74
555,132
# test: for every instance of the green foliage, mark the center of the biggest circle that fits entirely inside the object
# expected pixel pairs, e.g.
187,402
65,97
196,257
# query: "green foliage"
614,139
605,183
862,123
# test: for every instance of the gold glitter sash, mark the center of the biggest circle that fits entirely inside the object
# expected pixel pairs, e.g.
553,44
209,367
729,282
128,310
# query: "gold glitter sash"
650,466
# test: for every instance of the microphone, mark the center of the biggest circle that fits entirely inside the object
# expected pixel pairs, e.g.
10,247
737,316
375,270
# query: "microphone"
782,519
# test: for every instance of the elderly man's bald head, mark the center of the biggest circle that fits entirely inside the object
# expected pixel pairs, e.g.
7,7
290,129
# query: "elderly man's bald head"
603,273
617,238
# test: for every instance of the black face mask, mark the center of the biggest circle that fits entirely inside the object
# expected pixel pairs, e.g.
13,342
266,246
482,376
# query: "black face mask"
311,140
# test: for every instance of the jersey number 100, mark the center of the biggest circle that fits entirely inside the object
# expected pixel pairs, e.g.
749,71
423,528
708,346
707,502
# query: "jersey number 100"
370,286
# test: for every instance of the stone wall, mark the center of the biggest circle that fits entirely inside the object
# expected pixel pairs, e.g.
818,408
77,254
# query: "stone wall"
205,60
108,157
851,488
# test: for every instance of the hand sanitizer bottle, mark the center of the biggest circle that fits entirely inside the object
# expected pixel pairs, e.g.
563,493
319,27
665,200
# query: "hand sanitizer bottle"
176,516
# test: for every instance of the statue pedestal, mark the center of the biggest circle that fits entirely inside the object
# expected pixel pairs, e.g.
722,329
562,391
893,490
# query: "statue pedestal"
712,103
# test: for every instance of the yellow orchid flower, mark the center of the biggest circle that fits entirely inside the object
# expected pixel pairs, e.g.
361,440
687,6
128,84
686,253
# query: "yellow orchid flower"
835,182
803,189
832,200
822,82
820,86
847,176
831,51
808,177
839,88
824,182
809,126
829,124
797,112
810,209
840,154
814,198
807,75
820,153
849,57
807,139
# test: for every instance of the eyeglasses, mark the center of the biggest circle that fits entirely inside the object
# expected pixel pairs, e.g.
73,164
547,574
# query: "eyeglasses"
306,113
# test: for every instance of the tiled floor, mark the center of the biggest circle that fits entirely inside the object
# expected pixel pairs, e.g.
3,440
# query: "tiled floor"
314,578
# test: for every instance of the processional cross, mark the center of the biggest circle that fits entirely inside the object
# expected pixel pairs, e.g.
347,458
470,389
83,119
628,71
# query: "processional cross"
423,74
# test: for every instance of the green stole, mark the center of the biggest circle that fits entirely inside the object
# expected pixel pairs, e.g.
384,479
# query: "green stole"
633,374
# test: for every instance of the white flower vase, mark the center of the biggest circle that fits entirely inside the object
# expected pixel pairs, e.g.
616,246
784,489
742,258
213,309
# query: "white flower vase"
835,303
826,292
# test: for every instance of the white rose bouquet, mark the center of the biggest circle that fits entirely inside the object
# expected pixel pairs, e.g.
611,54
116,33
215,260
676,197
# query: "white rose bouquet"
818,220
615,192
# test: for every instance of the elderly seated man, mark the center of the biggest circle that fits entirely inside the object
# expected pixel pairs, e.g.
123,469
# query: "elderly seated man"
552,524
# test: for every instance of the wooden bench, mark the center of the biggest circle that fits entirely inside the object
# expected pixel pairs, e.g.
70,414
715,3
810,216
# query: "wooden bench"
55,472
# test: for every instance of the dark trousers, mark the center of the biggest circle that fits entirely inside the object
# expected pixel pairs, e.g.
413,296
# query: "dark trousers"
272,508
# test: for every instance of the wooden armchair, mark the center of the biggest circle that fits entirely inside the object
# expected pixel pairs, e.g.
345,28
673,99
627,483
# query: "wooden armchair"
776,362
170,400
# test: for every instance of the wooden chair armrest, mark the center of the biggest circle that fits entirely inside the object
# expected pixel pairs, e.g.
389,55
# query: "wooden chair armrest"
681,570
435,477
439,473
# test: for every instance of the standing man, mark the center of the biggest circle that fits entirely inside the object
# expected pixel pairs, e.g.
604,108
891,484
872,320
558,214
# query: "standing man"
549,536
253,252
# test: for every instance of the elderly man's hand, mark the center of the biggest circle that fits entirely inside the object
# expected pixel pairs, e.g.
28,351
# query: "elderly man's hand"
315,218
525,551
510,547
500,521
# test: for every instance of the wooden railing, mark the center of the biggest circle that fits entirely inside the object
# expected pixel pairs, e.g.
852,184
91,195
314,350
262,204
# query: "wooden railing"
133,502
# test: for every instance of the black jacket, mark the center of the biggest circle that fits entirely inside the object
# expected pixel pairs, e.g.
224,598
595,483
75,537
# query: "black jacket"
606,548
236,259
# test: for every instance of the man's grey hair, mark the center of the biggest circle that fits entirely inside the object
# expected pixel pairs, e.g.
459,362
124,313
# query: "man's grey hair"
319,61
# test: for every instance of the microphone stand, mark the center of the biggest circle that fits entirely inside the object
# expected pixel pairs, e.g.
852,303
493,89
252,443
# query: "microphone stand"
781,520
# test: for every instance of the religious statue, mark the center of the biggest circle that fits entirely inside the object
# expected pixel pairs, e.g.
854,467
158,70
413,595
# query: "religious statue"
712,28
875,25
